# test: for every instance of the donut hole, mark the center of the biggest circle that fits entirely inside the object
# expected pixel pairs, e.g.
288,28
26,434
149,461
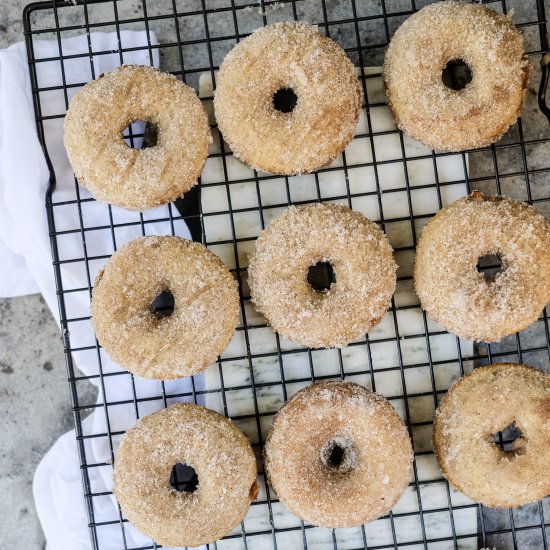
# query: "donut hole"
510,439
321,276
183,478
339,455
456,75
284,100
145,131
336,456
490,265
163,304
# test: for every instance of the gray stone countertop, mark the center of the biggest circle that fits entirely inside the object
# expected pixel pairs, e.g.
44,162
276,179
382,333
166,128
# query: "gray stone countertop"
34,397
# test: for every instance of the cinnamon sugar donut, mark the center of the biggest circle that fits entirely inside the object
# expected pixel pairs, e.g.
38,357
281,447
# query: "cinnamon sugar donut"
205,314
323,99
136,178
338,455
478,406
364,271
223,461
444,33
461,298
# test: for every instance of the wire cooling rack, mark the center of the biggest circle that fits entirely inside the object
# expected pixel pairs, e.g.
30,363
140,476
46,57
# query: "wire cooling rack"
410,360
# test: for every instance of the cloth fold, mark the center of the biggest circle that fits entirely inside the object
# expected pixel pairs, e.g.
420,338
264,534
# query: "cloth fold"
26,267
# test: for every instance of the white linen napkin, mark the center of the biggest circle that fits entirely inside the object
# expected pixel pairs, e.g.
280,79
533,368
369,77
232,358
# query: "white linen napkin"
23,180
26,267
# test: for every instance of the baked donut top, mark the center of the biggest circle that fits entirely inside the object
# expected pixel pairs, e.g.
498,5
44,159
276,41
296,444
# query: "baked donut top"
456,294
440,117
375,465
287,56
213,446
474,409
128,177
206,307
364,268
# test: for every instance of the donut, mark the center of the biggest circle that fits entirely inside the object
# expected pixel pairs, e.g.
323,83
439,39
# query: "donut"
456,294
222,460
136,179
441,35
287,99
363,266
143,340
476,408
338,455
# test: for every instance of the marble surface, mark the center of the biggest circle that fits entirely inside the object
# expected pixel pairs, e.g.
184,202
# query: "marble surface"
32,368
265,370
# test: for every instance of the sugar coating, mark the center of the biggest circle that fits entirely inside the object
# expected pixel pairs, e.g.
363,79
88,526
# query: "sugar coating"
333,497
206,307
461,298
484,403
287,55
136,178
362,259
213,446
446,119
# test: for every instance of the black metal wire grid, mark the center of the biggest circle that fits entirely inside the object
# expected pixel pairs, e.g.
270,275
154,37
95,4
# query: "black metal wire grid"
518,165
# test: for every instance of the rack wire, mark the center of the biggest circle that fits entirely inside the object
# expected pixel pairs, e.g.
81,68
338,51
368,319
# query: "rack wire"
518,165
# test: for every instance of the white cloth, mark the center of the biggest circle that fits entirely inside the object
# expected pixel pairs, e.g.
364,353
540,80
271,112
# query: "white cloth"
26,267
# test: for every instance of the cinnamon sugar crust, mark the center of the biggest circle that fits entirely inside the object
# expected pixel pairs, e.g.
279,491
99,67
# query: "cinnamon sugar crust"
481,404
115,173
372,473
362,259
213,446
206,307
289,55
454,120
461,298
